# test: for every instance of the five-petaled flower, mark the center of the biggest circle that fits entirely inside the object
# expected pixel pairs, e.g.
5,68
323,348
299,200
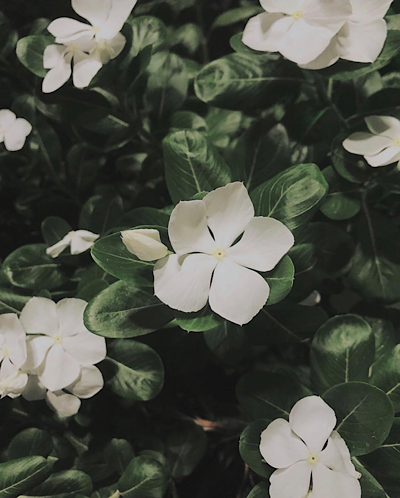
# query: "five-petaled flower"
307,448
13,130
79,241
211,262
381,145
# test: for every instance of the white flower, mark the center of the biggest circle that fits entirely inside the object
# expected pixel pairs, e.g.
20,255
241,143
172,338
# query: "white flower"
66,402
79,241
381,146
60,344
144,243
13,130
12,381
307,447
210,264
299,29
12,341
362,37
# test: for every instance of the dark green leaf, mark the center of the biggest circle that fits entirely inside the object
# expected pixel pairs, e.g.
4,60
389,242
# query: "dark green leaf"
386,375
228,342
30,442
101,213
54,229
64,484
280,280
118,453
144,477
249,448
30,53
342,201
19,476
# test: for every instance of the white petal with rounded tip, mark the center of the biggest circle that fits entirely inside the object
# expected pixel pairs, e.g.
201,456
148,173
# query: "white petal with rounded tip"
34,390
280,447
59,369
94,11
362,42
65,405
229,210
86,235
364,12
237,293
7,118
330,484
264,243
85,69
16,135
336,456
287,7
183,282
60,246
388,156
86,347
313,421
57,77
265,32
116,45
327,14
364,143
65,29
39,317
144,243
328,57
53,55
37,349
70,316
292,482
387,126
13,339
188,230
89,383
119,13
80,244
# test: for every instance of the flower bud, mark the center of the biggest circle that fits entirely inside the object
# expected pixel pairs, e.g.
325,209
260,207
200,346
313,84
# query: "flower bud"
144,243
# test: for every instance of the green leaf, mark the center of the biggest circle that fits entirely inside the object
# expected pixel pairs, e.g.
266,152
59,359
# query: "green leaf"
351,167
185,446
146,31
144,477
54,229
268,395
342,350
292,197
364,414
228,342
342,201
201,321
137,370
260,491
30,442
188,38
82,168
64,484
18,476
370,487
101,213
50,150
280,280
118,453
385,336
11,301
232,16
30,53
126,309
249,448
30,267
386,375
187,120
145,216
192,165
260,154
240,81
90,291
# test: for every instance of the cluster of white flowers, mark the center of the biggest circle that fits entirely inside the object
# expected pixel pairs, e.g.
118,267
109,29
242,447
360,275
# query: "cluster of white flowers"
212,263
47,353
86,47
13,130
316,33
78,241
381,145
308,448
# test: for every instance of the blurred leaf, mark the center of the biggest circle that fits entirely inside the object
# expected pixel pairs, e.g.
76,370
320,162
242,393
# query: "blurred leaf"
342,201
232,16
118,453
54,229
249,448
64,484
386,376
144,477
30,53
101,213
11,301
30,442
228,342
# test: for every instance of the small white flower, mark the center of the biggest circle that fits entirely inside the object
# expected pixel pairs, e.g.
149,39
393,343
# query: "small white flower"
210,265
381,146
13,130
299,29
12,381
308,448
59,344
79,241
12,341
144,243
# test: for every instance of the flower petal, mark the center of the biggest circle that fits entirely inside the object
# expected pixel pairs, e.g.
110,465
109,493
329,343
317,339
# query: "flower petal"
15,136
116,45
80,244
388,156
13,339
7,118
287,7
336,456
364,143
330,484
229,209
34,390
60,246
86,235
264,243
292,482
39,317
280,447
328,57
53,55
313,421
89,383
94,11
265,32
119,13
144,243
57,77
65,29
59,369
65,405
37,349
183,282
86,348
362,42
70,316
188,230
364,12
85,69
237,293
387,126
328,15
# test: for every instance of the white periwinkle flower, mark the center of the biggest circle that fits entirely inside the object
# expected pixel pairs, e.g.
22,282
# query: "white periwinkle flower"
59,344
12,341
299,29
12,381
381,146
79,241
210,263
13,130
308,448
144,243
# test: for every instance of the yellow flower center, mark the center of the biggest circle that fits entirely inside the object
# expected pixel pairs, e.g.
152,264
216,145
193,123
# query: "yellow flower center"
312,459
219,254
397,142
5,352
96,29
297,15
57,339
73,48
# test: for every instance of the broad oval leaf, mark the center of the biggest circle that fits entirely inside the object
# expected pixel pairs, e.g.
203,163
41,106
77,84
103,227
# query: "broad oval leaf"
11,301
54,229
64,484
249,448
118,453
144,477
370,487
343,200
30,53
101,213
30,442
19,476
386,375
260,491
228,342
